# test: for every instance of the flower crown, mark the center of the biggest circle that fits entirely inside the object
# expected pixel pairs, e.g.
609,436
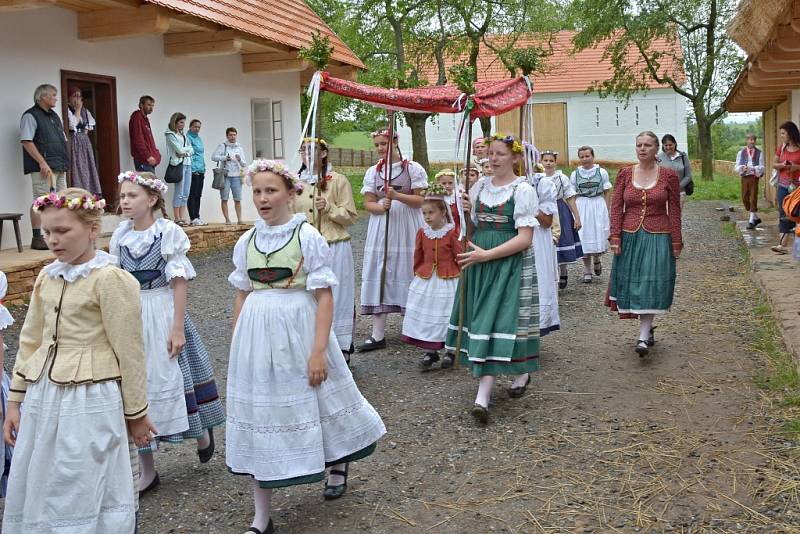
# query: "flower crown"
316,140
549,153
509,140
155,184
385,133
444,172
275,167
436,191
84,203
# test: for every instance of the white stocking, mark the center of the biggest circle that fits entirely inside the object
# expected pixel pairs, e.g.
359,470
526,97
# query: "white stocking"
203,441
262,498
645,325
485,391
378,326
336,480
520,380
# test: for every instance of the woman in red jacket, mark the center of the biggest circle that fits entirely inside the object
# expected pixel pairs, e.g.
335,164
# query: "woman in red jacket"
645,239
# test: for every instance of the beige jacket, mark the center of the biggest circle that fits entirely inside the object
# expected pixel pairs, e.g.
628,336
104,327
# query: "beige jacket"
93,325
340,209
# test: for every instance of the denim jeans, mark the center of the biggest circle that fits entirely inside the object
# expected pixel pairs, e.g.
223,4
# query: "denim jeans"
785,226
233,184
182,188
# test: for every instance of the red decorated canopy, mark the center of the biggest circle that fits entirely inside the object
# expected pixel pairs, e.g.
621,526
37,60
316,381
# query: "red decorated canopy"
490,98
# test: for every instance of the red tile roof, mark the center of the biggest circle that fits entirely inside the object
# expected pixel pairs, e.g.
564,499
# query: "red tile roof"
567,71
289,23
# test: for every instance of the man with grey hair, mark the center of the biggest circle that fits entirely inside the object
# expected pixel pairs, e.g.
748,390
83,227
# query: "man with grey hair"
44,151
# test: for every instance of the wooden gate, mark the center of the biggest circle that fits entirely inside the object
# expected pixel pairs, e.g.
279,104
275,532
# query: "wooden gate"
549,124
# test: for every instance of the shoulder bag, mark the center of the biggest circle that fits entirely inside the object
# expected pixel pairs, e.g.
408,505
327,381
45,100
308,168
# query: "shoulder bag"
689,189
220,173
174,173
773,179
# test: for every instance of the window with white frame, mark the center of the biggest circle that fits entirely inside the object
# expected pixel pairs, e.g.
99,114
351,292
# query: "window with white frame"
597,116
277,130
637,115
261,112
617,115
657,117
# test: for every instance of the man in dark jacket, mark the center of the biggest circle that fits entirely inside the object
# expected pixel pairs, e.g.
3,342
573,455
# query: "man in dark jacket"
143,147
44,152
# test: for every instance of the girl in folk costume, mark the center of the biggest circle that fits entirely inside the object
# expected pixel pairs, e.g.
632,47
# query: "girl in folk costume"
480,149
499,333
184,402
430,296
593,186
402,201
447,179
569,243
544,250
293,407
5,321
328,203
80,370
486,167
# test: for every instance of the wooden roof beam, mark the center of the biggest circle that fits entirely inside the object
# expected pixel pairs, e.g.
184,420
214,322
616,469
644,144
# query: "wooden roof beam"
767,63
19,5
118,23
786,84
192,44
345,72
790,73
273,62
787,38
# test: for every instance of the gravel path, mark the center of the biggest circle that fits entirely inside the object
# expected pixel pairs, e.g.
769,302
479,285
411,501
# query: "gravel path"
603,441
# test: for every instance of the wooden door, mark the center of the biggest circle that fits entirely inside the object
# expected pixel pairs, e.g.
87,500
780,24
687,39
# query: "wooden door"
100,97
550,129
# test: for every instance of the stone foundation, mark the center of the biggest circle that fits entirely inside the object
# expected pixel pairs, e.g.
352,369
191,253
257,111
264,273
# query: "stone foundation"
22,276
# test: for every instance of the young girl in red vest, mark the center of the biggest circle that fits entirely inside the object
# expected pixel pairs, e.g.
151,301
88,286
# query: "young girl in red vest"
384,291
431,294
293,407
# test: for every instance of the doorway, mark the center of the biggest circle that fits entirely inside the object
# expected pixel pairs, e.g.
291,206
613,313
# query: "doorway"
100,98
549,125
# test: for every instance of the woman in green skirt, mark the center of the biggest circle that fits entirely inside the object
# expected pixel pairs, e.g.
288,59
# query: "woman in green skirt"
646,240
497,327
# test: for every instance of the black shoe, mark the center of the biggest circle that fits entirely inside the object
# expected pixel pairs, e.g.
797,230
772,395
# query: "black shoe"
598,268
651,340
428,360
206,454
480,414
562,282
38,243
642,348
269,530
751,226
334,492
371,344
757,222
150,487
519,391
447,360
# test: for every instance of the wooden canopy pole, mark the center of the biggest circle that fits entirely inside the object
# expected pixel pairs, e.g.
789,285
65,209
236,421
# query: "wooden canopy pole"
464,273
387,183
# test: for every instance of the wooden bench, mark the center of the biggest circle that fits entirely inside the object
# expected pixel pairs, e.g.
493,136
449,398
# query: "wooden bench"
14,218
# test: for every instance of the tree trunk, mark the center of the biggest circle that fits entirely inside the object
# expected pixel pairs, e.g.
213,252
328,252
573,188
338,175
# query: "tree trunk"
486,126
705,145
419,139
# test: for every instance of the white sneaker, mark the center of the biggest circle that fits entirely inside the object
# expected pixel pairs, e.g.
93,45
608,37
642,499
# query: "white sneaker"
198,222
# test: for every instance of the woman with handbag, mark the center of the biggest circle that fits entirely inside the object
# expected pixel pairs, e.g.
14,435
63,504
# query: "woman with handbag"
672,158
787,165
230,155
179,171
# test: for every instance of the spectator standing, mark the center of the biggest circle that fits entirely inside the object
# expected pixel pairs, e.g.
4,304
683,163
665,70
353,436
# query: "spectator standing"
44,152
179,152
787,163
82,166
231,155
198,173
750,166
672,158
143,147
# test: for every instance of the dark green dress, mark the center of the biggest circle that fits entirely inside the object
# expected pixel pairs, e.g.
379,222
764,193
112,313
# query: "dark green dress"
500,333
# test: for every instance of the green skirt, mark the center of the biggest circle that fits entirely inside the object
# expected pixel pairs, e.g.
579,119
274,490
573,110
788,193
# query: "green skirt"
643,276
500,334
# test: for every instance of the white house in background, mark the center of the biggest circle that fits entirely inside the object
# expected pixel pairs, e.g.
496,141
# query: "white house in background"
227,64
565,116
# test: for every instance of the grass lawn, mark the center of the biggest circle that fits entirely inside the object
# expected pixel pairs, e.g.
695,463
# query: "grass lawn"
723,187
354,140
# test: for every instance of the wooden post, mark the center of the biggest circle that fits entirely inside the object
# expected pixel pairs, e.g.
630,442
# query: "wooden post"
462,286
386,185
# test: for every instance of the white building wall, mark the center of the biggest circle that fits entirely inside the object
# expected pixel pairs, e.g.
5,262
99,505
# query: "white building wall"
662,111
36,44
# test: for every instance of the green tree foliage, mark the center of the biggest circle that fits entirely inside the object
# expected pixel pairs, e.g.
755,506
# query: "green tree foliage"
728,138
695,29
